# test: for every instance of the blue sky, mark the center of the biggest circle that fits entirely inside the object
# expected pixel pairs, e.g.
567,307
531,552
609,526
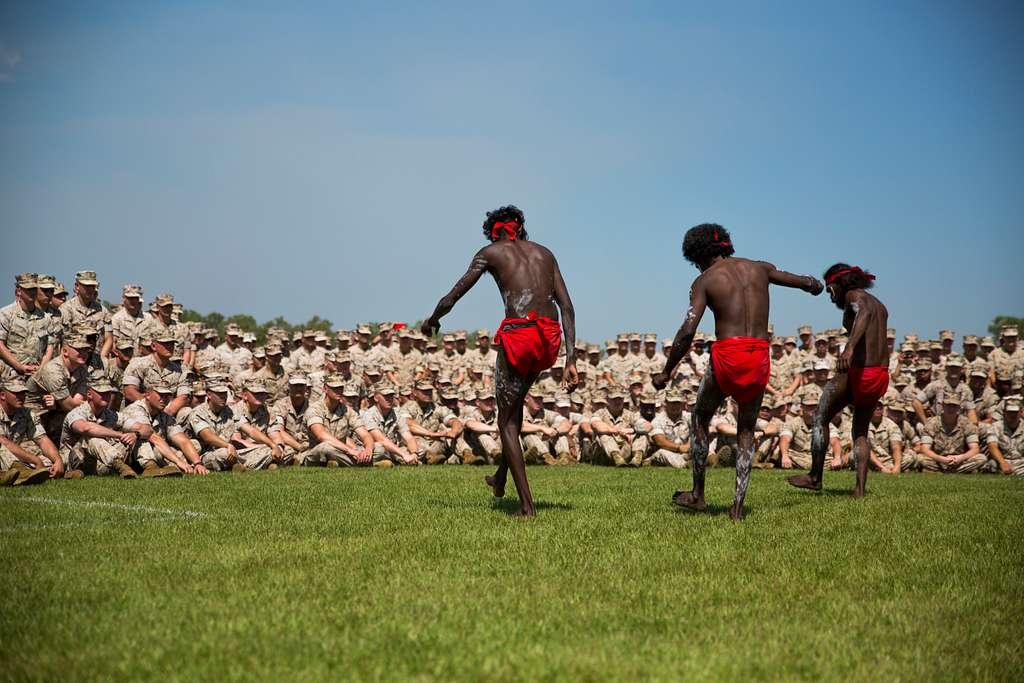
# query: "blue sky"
270,159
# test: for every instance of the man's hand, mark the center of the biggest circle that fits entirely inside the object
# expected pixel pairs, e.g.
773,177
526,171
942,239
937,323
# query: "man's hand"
48,400
570,377
659,380
430,327
409,458
1005,467
27,368
57,469
364,456
199,468
232,454
815,287
186,468
276,452
128,439
843,362
787,464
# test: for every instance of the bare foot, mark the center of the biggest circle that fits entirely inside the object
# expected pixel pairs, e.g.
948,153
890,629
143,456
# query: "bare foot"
523,512
804,481
736,512
858,492
688,500
497,487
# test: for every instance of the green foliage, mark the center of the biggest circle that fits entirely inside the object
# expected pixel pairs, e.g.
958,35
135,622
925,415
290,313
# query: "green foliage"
247,323
418,574
1001,320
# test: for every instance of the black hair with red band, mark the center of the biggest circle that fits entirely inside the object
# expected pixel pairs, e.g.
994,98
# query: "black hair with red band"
506,221
706,241
848,277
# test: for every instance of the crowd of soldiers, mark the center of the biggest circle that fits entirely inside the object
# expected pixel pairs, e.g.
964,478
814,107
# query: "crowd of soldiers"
130,392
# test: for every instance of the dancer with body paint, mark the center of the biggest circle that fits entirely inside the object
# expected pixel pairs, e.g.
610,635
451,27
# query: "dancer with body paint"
736,290
528,338
862,372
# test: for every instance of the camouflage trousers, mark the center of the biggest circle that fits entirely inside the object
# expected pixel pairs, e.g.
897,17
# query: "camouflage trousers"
7,458
483,446
666,458
321,454
619,450
253,458
96,455
972,464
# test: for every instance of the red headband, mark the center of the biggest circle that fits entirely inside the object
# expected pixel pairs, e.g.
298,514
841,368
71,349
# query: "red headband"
723,243
511,229
846,271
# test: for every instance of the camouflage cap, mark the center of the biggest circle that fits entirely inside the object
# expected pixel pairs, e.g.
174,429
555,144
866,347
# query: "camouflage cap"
946,335
987,343
448,338
1008,331
233,330
15,384
211,334
979,371
165,299
273,349
615,393
923,365
563,401
161,387
342,357
101,385
484,395
897,405
217,384
248,338
334,381
372,371
44,281
635,337
650,339
364,330
674,396
26,280
132,291
298,379
78,341
1012,404
86,277
164,336
804,329
351,390
768,402
259,353
954,360
386,327
821,365
384,389
912,338
484,332
810,396
424,385
790,340
123,343
256,385
951,400
700,337
970,339
648,398
776,341
60,289
460,335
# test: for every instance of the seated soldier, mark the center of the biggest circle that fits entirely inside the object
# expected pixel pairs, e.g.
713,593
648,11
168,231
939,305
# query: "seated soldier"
163,450
885,439
795,436
393,444
897,410
59,386
613,426
949,442
1004,439
27,455
542,430
333,426
984,397
216,429
767,427
927,402
94,438
647,410
480,443
253,417
288,427
159,367
670,433
434,427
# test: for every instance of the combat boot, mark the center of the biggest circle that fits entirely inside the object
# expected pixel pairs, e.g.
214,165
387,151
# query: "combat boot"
74,474
28,476
7,477
123,469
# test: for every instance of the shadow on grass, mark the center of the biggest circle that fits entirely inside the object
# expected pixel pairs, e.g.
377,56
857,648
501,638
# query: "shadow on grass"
714,510
510,505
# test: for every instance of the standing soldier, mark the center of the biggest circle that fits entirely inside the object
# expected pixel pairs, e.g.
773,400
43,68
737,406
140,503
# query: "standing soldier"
129,322
85,306
25,343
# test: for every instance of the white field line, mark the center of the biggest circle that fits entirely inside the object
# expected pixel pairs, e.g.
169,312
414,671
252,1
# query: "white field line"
105,504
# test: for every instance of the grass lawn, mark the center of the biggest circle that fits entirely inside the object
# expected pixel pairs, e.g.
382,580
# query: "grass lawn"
418,573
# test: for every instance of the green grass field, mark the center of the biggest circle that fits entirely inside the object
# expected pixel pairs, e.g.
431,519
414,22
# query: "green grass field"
419,574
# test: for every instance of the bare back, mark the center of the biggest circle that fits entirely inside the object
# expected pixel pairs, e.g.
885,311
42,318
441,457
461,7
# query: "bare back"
870,346
525,274
737,293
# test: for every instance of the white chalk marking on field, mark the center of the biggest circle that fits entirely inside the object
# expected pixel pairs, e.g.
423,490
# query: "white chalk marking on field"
105,504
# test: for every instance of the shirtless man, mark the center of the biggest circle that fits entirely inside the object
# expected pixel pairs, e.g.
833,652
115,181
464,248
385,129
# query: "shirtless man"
736,289
862,372
528,338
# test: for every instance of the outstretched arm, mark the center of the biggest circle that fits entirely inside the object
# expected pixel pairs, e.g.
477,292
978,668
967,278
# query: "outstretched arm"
571,377
684,337
477,267
809,284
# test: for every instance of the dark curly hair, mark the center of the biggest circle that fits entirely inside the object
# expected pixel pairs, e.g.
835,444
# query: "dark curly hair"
705,241
503,214
857,279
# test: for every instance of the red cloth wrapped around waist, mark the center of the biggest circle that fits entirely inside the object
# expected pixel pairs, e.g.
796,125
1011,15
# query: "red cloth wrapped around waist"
742,366
530,344
867,385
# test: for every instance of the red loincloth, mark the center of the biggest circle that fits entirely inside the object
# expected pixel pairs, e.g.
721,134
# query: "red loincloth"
531,344
867,386
742,366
